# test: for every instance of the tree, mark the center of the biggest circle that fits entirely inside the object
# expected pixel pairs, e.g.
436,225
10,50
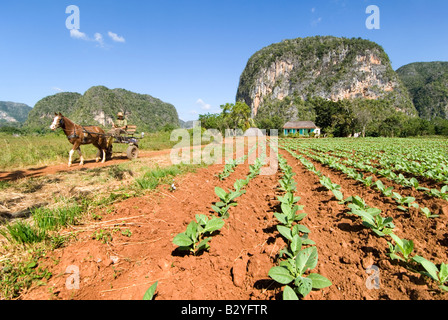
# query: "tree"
362,114
242,114
237,116
212,121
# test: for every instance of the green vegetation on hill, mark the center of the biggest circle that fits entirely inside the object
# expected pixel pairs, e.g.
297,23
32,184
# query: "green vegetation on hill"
43,112
427,83
322,66
12,110
100,105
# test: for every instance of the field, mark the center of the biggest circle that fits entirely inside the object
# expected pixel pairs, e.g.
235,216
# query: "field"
339,219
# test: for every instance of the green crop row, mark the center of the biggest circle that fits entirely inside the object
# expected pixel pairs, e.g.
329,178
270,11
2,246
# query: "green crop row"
198,234
383,226
403,203
295,260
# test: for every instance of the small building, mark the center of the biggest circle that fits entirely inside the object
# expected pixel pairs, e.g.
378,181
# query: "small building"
301,127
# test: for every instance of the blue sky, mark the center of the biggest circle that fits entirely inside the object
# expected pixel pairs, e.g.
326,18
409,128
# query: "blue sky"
189,53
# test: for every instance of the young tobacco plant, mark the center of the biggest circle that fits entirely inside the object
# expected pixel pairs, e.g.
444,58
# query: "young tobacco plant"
402,250
385,191
287,183
402,201
293,270
428,213
195,239
413,182
442,193
440,275
333,187
254,169
227,200
228,169
289,210
149,294
371,217
295,245
296,230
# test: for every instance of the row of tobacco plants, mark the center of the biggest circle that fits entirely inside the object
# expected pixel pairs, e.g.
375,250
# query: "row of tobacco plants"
400,249
195,239
300,256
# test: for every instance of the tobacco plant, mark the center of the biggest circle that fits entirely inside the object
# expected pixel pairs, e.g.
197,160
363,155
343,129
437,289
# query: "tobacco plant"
195,239
333,187
428,213
402,201
287,183
149,294
227,200
440,275
371,217
293,270
442,193
228,169
385,191
290,233
289,210
402,250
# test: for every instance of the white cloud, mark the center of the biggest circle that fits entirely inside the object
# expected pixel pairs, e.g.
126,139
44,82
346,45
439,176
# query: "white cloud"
57,89
316,22
313,10
203,105
75,33
99,39
115,37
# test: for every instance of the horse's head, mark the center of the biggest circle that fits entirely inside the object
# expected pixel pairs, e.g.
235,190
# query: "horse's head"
57,121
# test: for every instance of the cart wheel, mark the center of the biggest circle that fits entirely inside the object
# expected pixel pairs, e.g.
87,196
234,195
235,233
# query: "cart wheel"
132,152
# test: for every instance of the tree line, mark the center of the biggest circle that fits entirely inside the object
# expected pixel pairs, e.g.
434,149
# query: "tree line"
341,118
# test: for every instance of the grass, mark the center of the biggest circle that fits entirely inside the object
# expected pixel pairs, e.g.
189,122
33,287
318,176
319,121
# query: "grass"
17,275
22,232
54,219
153,178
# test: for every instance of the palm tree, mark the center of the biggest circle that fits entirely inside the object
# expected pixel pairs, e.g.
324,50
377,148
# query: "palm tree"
242,116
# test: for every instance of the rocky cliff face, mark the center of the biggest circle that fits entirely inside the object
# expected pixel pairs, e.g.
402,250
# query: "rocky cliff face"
327,67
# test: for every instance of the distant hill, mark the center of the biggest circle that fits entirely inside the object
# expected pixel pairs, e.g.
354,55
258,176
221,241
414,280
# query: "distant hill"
100,105
186,124
13,113
427,83
278,78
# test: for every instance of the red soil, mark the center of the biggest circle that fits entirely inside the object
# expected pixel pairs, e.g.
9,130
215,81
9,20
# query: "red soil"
241,254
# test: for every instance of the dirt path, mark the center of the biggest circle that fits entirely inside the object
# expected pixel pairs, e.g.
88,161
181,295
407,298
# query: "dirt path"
88,164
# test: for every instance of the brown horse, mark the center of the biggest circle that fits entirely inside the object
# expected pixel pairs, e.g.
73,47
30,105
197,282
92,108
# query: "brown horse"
78,135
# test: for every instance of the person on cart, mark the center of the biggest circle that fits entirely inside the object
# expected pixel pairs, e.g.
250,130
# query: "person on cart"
119,128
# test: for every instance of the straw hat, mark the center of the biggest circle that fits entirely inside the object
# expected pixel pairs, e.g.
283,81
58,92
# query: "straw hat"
120,114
